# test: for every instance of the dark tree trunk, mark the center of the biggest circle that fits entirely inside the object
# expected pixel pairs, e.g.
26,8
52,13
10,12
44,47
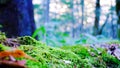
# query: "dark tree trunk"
16,18
118,14
97,18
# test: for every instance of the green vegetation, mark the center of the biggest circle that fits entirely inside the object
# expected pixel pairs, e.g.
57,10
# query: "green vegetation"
52,57
77,56
67,56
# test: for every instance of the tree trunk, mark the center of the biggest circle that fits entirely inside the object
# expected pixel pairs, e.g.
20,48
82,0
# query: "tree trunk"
118,14
97,18
73,20
47,3
47,11
82,8
16,18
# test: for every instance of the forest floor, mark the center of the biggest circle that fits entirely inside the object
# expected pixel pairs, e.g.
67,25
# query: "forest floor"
26,52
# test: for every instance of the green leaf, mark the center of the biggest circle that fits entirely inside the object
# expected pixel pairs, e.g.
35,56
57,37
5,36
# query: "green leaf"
41,29
65,34
62,41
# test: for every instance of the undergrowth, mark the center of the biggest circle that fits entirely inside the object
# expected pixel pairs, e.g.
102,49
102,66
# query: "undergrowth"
77,56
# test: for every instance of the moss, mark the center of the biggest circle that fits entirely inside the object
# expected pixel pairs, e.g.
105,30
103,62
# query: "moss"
102,60
110,60
2,37
87,53
50,56
2,47
79,50
26,40
77,56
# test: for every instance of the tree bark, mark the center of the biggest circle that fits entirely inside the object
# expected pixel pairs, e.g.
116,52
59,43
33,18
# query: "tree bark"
118,14
16,18
97,18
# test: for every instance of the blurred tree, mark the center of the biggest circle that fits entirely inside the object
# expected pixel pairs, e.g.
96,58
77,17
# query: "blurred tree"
73,20
118,14
97,18
47,11
16,17
96,29
46,17
113,26
82,7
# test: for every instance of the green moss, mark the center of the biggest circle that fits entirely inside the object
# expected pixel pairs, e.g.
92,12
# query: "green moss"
50,56
79,56
102,60
65,57
2,37
81,51
26,40
2,47
87,53
110,60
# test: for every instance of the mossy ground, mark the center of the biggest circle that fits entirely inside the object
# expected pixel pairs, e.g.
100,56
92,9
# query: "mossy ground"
51,57
77,56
